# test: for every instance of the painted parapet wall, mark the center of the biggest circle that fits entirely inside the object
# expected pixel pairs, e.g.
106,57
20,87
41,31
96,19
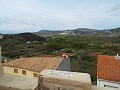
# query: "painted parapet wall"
10,70
63,80
65,65
109,84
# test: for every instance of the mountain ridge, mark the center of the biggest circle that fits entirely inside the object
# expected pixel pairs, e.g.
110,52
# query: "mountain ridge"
77,31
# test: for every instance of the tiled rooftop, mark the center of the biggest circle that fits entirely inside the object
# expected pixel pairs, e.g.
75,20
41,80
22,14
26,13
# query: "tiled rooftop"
108,68
36,63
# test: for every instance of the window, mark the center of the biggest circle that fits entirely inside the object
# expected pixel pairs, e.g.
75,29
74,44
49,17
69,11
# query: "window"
23,72
35,75
15,70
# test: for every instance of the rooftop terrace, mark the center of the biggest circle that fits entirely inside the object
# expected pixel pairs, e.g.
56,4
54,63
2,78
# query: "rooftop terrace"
54,79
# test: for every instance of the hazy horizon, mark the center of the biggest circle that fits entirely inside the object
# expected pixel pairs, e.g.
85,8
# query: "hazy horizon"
17,16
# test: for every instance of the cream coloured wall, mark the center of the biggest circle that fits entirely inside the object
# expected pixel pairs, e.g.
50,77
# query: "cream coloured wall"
10,70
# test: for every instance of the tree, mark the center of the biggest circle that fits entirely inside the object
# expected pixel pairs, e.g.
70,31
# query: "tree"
53,46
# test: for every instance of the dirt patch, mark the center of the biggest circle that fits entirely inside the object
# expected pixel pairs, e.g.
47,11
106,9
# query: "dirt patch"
18,82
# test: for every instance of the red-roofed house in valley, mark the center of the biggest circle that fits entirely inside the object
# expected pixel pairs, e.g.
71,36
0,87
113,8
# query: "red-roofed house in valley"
108,71
31,67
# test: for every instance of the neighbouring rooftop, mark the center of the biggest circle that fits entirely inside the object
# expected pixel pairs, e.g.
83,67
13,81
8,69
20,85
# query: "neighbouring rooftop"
108,68
36,63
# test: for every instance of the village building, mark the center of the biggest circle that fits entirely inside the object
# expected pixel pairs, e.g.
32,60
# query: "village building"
31,67
63,33
108,71
53,79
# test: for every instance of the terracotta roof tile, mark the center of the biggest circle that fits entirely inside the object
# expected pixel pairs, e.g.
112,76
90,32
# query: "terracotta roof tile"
36,63
108,68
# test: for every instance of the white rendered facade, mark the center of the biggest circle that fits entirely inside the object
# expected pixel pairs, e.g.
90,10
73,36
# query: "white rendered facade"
108,84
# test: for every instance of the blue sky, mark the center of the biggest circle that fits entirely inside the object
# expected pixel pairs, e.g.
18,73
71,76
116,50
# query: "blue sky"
33,15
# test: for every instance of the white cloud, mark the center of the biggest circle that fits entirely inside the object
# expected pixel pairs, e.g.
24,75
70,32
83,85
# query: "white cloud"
31,15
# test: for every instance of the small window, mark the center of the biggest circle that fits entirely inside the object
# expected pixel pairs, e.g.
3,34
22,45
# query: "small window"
15,70
23,72
35,75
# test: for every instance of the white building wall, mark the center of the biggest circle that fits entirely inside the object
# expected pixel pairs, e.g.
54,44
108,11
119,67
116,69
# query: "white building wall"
109,84
10,70
65,65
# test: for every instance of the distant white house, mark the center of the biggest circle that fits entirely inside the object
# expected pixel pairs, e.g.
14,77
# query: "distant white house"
28,42
63,33
108,72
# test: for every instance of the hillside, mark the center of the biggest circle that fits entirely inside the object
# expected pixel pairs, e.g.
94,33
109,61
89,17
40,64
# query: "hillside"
24,37
115,29
47,33
23,44
79,31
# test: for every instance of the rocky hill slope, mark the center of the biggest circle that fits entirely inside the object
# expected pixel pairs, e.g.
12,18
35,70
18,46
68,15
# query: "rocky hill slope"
79,31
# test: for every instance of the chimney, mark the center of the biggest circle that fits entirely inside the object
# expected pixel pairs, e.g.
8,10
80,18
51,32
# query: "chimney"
66,55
